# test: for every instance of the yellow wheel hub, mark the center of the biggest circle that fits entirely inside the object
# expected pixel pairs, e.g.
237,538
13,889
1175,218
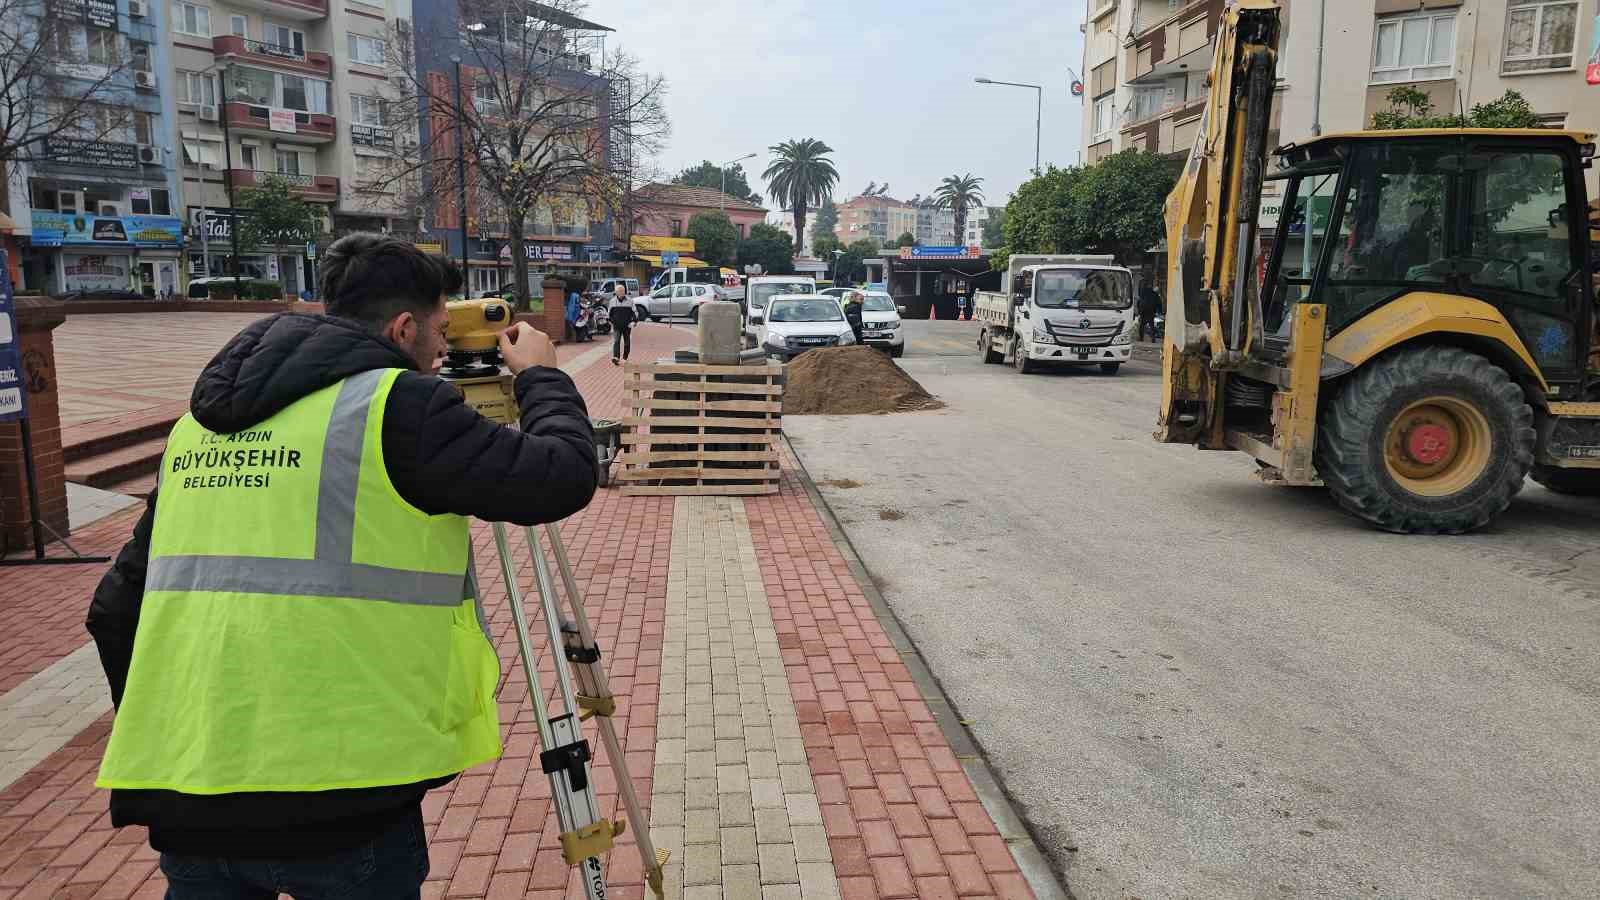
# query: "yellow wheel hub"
1437,446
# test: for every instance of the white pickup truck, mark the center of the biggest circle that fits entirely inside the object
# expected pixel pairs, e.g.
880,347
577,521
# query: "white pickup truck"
1062,309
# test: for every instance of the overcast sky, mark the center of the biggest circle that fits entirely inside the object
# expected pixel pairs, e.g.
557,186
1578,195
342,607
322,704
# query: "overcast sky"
888,85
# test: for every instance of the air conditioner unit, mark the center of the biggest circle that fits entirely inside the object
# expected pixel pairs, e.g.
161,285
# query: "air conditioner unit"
150,156
208,113
69,201
109,209
144,79
136,9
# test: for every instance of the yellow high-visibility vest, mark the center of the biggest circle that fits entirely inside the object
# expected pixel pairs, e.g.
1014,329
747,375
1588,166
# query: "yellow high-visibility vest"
303,628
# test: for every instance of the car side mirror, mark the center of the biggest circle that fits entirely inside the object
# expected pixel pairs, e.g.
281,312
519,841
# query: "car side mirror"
756,317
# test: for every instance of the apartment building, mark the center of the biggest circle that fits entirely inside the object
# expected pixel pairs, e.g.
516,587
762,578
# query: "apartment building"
291,89
976,217
95,208
936,227
877,217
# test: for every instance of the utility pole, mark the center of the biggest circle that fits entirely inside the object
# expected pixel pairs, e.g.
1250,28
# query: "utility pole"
461,173
723,200
233,206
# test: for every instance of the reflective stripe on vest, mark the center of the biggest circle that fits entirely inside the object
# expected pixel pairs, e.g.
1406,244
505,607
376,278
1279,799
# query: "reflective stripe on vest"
346,646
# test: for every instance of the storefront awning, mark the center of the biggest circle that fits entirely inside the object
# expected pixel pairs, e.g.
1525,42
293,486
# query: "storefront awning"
205,153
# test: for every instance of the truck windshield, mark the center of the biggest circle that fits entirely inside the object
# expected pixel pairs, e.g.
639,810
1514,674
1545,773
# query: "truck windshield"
1082,289
761,293
806,311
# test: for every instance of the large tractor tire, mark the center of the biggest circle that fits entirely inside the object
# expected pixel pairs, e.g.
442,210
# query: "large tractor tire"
1577,482
1431,440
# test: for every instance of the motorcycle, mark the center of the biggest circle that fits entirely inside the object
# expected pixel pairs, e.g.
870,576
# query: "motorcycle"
600,317
581,326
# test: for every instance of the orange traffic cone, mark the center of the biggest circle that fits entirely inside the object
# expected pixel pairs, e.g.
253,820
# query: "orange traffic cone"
933,311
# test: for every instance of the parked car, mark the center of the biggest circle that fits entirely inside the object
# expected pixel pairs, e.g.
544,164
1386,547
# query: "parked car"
835,292
606,286
676,300
795,323
880,323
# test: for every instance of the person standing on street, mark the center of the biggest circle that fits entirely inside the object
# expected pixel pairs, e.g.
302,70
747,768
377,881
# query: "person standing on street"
852,312
1149,305
621,309
294,637
574,303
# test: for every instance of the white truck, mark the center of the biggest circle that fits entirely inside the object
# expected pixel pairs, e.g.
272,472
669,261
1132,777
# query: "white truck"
1058,309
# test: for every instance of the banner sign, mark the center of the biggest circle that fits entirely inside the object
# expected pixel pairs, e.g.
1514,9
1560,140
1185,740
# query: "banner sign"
1594,53
13,399
542,251
101,13
281,120
951,252
434,247
101,154
95,271
372,136
651,243
53,229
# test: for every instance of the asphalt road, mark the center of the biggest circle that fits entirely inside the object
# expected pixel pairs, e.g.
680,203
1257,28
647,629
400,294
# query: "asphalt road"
1196,685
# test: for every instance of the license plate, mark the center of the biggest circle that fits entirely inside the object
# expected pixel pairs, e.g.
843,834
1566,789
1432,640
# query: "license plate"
877,334
1083,352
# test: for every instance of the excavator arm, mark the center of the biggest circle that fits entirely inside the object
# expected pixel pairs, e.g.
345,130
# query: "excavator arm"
1213,303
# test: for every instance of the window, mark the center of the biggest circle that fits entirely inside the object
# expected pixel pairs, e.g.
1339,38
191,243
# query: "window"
144,128
677,228
740,226
151,202
1103,114
483,93
366,110
239,26
285,41
250,157
196,88
103,49
289,163
484,281
1540,35
1516,202
1414,48
139,53
367,50
187,18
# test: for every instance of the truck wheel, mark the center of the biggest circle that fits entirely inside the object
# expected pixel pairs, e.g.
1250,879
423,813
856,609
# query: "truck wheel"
1023,363
1577,482
1431,440
1110,368
991,356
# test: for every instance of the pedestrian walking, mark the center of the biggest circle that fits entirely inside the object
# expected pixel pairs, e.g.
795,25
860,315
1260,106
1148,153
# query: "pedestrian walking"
1149,305
621,310
294,639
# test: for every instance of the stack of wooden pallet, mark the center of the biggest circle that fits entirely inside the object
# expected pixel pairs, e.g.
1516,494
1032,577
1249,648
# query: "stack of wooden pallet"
701,429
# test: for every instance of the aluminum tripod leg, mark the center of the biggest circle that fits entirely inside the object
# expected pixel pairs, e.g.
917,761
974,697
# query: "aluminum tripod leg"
583,652
565,757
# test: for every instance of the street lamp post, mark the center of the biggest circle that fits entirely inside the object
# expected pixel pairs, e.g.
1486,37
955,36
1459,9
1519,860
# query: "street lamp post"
724,169
1038,112
227,160
836,255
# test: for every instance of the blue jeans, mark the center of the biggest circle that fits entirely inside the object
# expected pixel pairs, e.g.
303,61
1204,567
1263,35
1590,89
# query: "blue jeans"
391,866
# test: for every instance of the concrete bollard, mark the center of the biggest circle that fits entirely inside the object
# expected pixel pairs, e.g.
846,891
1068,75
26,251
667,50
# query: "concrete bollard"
721,332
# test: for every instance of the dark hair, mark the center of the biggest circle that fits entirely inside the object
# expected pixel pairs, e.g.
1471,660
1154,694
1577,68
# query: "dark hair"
373,277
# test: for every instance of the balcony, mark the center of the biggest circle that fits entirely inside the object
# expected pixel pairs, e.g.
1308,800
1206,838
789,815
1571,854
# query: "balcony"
310,127
323,188
233,48
303,10
1161,48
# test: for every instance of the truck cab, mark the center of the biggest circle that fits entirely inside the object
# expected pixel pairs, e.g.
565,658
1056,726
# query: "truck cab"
1066,310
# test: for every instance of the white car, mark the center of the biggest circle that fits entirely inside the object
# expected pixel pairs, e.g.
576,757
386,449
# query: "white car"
795,323
880,323
676,300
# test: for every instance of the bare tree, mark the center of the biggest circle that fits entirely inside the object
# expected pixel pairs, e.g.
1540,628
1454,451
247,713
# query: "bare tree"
60,81
544,123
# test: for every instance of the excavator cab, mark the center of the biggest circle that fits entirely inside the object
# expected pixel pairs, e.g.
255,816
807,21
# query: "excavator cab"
1423,334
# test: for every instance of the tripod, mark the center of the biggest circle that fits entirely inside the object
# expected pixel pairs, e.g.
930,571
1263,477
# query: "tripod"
585,832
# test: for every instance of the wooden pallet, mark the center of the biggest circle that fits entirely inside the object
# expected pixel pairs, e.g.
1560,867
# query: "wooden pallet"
695,430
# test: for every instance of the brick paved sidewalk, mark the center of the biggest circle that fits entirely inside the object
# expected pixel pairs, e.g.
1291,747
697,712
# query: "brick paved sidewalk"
778,740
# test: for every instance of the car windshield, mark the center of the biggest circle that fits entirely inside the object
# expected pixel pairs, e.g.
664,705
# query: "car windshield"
761,293
805,311
878,303
1083,289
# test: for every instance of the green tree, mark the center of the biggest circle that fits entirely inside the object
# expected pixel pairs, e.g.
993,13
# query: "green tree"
959,193
769,247
1114,206
710,175
1412,108
849,269
715,238
1037,215
906,239
800,176
994,233
827,220
274,215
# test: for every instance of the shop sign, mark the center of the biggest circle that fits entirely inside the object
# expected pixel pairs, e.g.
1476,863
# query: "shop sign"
53,229
281,120
541,252
433,247
100,154
949,252
13,403
653,244
375,136
101,13
94,272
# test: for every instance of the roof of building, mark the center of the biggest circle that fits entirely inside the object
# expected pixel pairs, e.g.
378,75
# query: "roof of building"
708,198
554,16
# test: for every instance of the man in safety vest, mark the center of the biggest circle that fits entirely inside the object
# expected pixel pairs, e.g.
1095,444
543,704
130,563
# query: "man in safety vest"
294,637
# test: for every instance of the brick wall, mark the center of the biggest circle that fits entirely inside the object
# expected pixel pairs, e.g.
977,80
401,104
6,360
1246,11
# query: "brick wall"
36,319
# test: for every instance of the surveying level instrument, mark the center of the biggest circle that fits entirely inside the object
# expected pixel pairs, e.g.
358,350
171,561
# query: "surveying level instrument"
565,756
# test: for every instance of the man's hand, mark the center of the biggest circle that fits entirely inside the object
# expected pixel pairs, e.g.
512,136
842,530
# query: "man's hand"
523,346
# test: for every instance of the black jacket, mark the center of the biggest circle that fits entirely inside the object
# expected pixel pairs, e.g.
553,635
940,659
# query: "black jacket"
442,458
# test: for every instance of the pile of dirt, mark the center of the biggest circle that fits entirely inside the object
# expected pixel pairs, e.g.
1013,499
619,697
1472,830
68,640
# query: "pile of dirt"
843,381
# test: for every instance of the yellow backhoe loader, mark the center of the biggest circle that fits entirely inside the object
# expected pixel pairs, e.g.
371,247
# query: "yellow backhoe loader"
1421,336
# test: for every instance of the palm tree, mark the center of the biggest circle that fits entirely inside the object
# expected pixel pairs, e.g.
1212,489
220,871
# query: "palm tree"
959,193
801,176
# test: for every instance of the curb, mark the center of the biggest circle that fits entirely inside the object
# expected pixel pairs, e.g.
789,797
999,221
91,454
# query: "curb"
1047,883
